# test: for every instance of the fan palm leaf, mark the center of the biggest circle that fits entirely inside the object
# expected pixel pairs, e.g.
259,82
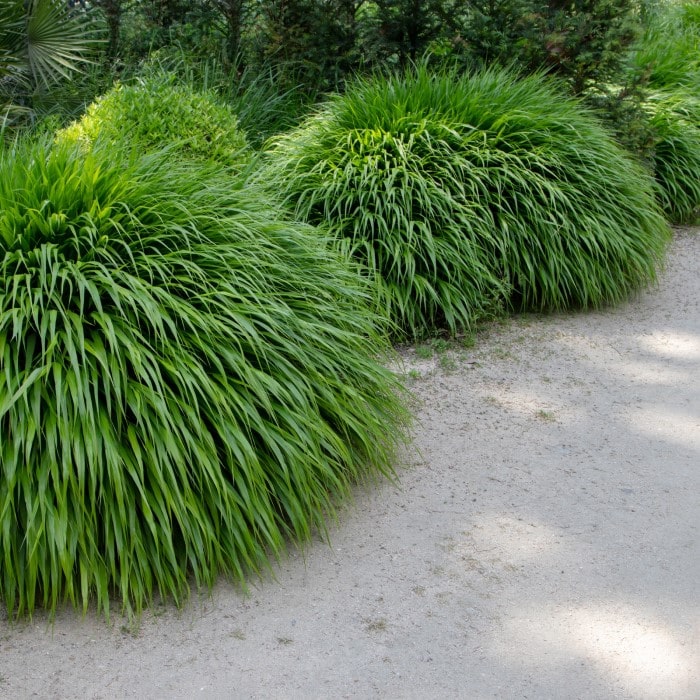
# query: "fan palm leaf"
42,38
41,42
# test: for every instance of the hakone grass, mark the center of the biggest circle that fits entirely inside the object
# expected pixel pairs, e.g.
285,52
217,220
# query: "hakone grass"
675,121
666,60
667,55
187,379
457,190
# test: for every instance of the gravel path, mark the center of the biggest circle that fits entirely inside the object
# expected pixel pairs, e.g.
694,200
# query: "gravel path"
542,541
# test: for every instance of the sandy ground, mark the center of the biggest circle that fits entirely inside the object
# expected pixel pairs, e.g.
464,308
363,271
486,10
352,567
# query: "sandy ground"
542,541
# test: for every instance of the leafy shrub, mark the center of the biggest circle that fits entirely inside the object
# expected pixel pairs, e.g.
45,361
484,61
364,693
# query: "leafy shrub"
454,189
187,379
259,95
156,112
623,111
316,39
396,32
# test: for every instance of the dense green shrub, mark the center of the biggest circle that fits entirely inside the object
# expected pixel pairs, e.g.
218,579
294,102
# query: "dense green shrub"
584,42
314,38
623,110
157,112
396,32
455,189
186,380
261,97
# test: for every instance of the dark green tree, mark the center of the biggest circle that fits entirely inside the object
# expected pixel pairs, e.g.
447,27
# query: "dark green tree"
583,41
112,11
402,30
314,38
233,13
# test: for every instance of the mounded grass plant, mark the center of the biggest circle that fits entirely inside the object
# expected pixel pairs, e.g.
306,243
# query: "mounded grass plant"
668,53
187,379
157,111
667,61
675,121
455,190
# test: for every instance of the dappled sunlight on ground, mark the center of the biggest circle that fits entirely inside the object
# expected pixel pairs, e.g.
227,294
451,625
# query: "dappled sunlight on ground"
537,404
673,344
673,425
516,541
640,656
646,657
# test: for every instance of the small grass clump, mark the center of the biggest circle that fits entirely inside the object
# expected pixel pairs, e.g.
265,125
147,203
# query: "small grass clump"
155,112
263,98
459,191
187,379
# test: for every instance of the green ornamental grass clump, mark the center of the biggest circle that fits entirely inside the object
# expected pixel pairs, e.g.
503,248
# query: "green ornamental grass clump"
186,379
668,53
262,97
675,121
667,60
155,112
455,190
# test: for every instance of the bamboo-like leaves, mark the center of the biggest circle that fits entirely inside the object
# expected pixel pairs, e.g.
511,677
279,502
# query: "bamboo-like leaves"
186,379
155,112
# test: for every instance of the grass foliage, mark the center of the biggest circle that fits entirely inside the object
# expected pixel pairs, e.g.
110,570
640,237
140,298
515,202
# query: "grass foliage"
667,60
262,97
155,112
675,120
455,190
187,380
668,54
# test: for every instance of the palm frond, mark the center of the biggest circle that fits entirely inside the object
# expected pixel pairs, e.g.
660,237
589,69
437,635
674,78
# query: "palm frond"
57,42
